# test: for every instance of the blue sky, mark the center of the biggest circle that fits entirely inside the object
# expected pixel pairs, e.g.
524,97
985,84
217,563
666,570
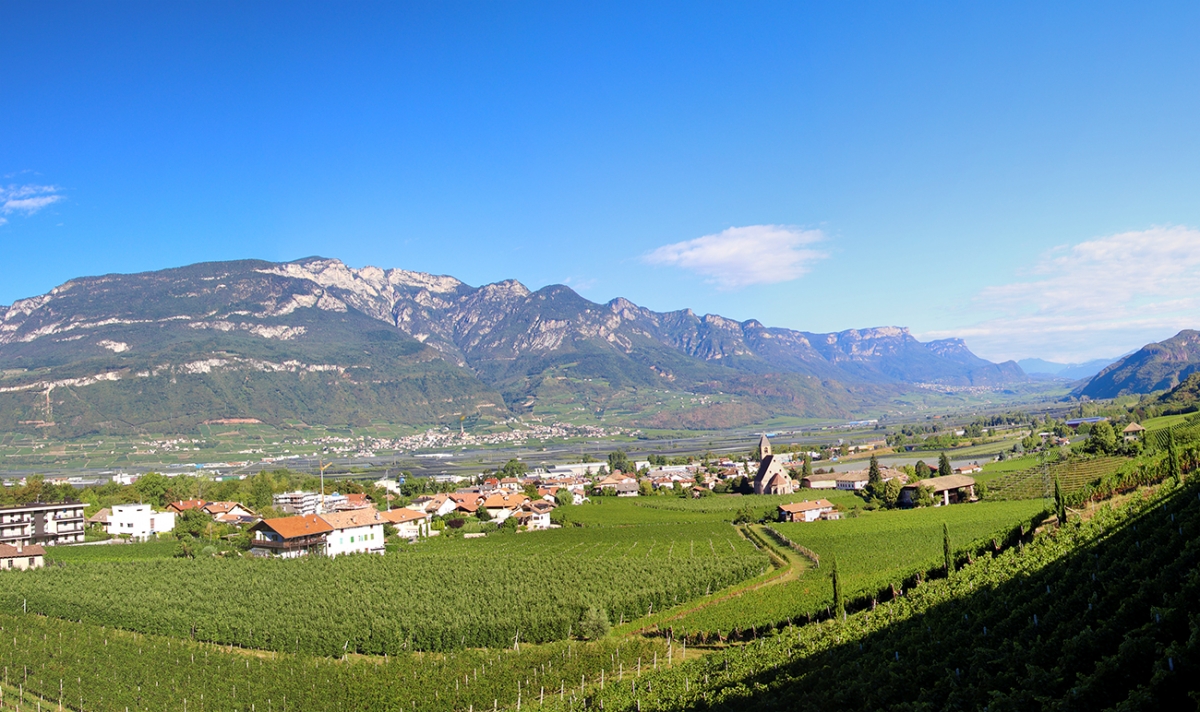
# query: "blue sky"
1024,175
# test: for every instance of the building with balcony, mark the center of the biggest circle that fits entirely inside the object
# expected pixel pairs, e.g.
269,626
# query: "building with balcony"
290,537
41,523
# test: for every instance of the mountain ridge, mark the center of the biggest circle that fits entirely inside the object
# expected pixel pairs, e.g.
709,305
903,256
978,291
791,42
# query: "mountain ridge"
1156,366
499,349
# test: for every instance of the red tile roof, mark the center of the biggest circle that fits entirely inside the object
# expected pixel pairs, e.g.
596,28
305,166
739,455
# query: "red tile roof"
402,515
352,518
7,551
292,527
805,506
185,504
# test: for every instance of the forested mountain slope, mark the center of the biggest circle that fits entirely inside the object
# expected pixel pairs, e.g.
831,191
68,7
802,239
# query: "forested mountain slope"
1154,367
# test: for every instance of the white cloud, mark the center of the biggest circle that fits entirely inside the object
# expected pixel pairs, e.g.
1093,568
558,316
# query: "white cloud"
1099,298
26,199
743,256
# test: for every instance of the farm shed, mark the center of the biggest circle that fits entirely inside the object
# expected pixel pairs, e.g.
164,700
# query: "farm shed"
950,489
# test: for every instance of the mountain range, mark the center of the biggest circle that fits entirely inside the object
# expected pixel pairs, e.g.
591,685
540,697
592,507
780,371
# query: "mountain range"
317,341
1068,371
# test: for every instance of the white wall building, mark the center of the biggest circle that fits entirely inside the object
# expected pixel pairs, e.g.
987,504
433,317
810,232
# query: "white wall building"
355,531
297,503
138,521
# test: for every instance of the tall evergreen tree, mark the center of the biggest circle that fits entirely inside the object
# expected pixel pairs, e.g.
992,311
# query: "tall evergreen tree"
944,468
874,477
839,604
946,550
806,468
1060,503
1173,468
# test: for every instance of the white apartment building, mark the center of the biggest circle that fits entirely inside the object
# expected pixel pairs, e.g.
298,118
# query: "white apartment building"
41,523
138,521
297,503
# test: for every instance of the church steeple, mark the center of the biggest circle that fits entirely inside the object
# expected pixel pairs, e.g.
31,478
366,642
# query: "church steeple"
764,446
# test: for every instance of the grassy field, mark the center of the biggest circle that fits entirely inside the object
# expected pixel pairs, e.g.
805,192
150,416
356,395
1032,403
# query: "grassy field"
1166,421
626,511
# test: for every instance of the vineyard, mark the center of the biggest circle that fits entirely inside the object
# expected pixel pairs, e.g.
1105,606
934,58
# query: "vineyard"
1093,615
1033,483
74,663
424,597
873,551
621,511
1184,432
111,552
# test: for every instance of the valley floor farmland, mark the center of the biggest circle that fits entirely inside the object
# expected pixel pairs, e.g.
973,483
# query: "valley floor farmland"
133,626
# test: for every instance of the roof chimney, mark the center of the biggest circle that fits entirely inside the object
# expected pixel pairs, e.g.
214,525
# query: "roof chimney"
20,546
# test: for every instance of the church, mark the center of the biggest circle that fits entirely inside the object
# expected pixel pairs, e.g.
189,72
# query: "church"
772,477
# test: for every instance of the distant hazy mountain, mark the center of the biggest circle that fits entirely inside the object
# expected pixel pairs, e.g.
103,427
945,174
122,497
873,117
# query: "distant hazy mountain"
317,341
1154,367
1070,371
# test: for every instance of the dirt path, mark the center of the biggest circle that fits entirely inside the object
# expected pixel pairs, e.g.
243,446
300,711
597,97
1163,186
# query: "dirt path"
788,564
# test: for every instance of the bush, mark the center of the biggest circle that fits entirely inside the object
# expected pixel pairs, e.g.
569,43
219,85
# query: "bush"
594,624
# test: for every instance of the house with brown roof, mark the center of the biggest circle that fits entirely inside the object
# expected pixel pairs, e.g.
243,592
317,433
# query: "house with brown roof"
437,505
183,505
21,557
807,511
354,531
353,501
1133,431
410,523
467,502
230,512
538,514
822,481
949,489
502,506
858,479
290,537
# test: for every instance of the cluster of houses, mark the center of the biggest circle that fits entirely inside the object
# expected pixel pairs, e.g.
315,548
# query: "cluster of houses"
360,529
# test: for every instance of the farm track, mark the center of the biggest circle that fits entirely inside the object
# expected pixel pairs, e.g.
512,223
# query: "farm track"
789,566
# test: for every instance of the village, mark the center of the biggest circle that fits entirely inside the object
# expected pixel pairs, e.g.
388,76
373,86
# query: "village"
303,522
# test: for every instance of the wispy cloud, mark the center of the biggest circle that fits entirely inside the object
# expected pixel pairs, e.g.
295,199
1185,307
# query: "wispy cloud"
26,199
743,256
1094,299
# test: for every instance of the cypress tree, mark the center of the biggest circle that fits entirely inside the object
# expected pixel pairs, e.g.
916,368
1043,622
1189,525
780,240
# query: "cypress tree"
944,468
946,549
806,469
1060,503
839,605
874,478
1174,471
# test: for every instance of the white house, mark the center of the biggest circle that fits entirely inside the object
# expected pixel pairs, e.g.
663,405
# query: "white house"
538,512
138,521
436,506
807,511
409,523
502,506
354,531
